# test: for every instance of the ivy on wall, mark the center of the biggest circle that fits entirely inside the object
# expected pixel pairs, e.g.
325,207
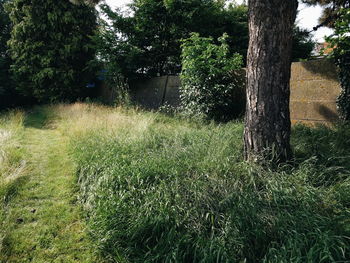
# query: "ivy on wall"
341,53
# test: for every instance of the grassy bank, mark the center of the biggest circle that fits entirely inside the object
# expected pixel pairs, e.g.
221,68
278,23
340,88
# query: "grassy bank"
159,189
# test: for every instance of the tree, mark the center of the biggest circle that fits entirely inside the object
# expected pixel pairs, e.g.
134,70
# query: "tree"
8,95
147,40
330,12
5,29
303,45
151,36
51,48
267,121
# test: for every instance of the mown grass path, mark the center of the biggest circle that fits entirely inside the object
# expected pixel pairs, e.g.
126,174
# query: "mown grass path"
44,220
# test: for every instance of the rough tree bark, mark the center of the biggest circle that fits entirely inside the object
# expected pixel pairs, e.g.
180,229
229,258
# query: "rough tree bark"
267,120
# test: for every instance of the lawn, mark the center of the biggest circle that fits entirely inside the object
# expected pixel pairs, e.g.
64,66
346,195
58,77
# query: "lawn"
155,188
40,218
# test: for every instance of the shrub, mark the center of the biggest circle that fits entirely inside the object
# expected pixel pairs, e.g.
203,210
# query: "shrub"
212,86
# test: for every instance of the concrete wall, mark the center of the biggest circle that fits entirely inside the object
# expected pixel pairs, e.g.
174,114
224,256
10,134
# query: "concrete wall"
314,90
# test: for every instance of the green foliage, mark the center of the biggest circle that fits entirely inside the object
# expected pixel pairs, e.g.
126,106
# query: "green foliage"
211,83
8,95
341,53
5,29
114,53
148,42
51,47
158,189
116,58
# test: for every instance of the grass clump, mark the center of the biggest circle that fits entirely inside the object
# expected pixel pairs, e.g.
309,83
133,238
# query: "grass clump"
158,189
12,163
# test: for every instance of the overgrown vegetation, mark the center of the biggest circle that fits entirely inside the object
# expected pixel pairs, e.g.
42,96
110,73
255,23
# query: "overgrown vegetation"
11,154
159,189
212,83
12,163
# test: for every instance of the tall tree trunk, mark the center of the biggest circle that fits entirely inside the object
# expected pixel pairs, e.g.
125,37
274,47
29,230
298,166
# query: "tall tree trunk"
267,120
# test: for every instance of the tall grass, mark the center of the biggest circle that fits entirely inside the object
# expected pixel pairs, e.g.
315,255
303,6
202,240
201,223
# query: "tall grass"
159,189
12,163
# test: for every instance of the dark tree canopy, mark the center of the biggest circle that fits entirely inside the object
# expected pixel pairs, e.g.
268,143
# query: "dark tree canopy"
5,28
303,45
147,39
8,95
51,47
151,37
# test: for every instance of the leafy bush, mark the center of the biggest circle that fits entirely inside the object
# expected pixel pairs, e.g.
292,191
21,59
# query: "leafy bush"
159,189
211,84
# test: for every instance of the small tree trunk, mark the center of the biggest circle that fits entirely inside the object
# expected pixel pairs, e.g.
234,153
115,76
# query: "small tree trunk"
267,120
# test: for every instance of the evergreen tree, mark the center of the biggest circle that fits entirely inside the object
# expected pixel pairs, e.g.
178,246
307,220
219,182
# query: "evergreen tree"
5,29
51,48
330,12
303,45
6,86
